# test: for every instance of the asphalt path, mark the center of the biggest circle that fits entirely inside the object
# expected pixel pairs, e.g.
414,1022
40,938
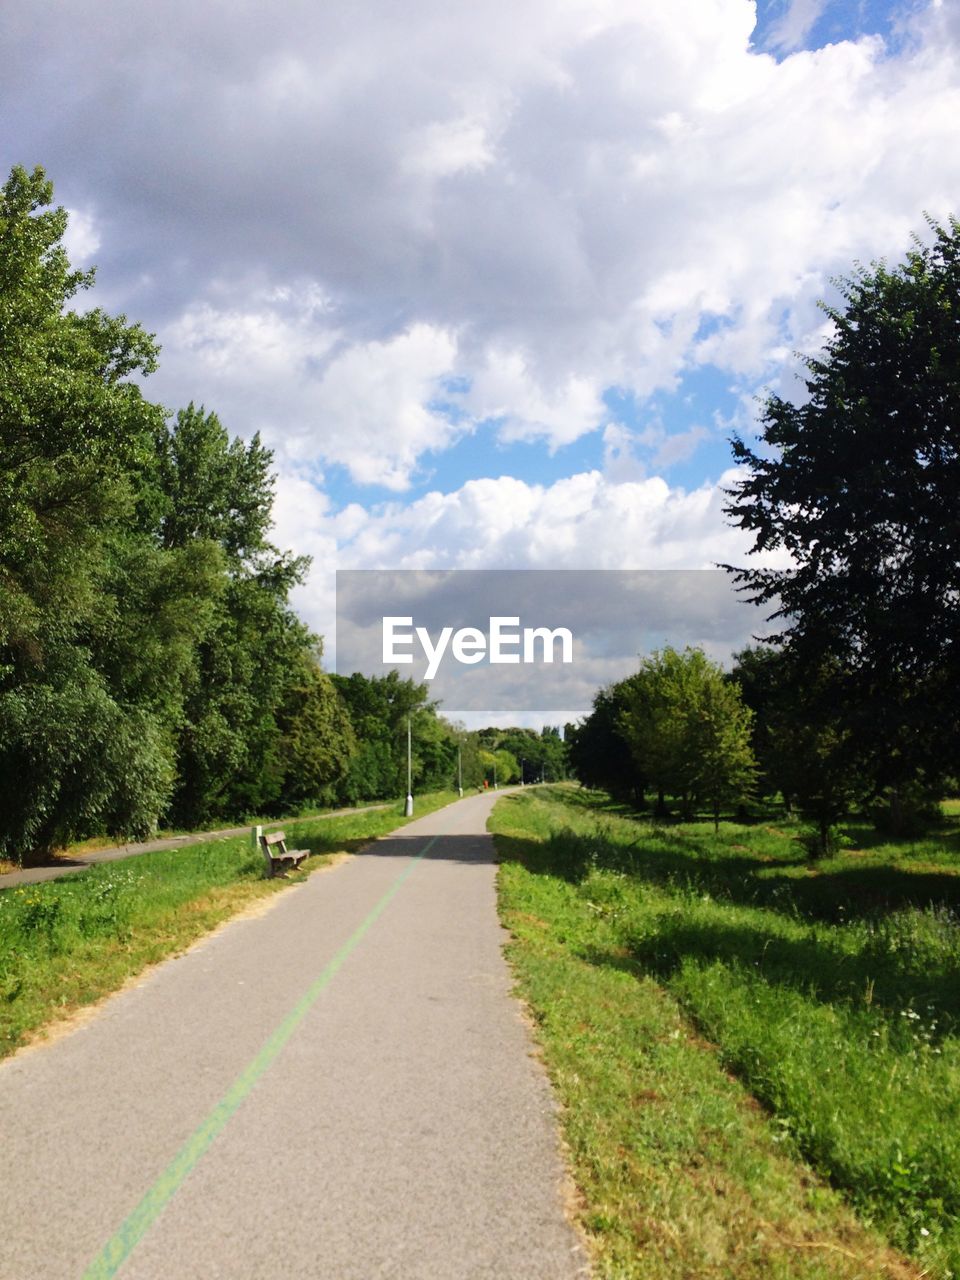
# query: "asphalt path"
342,1087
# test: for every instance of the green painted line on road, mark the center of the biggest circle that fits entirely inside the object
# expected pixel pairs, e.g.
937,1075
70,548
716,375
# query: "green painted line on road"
116,1251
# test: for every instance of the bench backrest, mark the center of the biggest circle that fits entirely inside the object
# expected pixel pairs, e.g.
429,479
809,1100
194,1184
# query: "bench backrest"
275,838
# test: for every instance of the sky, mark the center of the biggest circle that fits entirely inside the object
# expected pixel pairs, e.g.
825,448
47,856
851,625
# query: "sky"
495,282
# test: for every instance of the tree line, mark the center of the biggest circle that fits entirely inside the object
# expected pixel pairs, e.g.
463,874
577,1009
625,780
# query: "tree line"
152,669
855,702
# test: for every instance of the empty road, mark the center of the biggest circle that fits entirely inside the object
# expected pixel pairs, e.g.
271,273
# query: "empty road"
339,1087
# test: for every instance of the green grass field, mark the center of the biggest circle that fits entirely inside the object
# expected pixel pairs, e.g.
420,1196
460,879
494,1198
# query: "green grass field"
67,943
747,1045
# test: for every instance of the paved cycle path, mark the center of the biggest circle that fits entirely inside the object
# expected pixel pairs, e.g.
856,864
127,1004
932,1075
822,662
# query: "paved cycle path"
341,1088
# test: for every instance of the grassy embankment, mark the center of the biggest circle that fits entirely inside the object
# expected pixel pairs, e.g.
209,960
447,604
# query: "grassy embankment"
745,1044
66,943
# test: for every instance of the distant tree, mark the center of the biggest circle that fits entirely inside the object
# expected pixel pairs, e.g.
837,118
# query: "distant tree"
379,707
317,739
599,752
720,744
803,747
688,730
538,754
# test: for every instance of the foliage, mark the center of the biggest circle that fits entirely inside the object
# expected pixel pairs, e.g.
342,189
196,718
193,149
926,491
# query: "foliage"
805,750
860,485
538,756
379,708
317,742
150,664
600,754
499,767
688,730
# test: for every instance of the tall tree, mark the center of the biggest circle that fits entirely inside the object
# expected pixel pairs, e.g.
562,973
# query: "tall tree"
149,660
860,485
75,752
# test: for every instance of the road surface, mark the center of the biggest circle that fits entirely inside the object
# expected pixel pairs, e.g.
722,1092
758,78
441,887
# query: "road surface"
341,1087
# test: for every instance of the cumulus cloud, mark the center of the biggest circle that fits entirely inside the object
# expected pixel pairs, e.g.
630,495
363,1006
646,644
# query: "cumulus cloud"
584,521
541,200
370,230
284,362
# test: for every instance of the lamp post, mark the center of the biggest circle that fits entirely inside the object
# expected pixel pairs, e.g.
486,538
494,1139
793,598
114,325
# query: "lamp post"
459,770
408,808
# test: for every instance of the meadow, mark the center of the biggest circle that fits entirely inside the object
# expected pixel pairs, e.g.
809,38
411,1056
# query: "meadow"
758,1056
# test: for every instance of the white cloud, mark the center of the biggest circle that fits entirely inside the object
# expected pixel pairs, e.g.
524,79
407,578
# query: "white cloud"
585,521
450,146
285,368
339,208
82,237
505,389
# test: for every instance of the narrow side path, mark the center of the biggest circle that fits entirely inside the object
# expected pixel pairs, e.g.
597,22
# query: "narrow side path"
342,1087
114,853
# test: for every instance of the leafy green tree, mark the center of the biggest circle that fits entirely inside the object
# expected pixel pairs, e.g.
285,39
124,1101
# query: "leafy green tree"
379,707
205,486
75,750
538,754
317,742
200,489
149,660
554,755
71,424
468,743
688,730
599,752
720,744
499,767
859,484
803,747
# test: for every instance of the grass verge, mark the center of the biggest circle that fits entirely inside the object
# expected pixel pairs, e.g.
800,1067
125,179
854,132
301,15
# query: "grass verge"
747,1049
67,943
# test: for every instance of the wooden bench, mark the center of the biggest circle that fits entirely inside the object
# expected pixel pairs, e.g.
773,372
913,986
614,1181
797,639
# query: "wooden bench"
278,858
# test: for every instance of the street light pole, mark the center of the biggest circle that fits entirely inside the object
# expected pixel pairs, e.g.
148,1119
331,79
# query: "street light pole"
408,808
459,770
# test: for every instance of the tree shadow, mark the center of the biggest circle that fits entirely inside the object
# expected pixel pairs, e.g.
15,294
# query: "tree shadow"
818,892
895,969
924,980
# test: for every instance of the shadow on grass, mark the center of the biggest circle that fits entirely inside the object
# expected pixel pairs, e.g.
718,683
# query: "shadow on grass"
824,891
925,979
897,967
